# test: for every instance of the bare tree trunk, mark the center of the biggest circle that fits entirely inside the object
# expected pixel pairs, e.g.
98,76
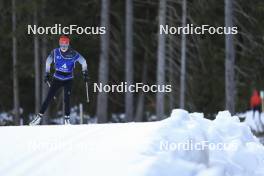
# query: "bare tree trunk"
183,57
43,60
37,63
229,59
172,63
14,54
141,96
129,105
172,75
44,86
161,61
102,98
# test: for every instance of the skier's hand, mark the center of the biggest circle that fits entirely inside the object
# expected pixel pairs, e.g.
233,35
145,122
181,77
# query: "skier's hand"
85,76
48,78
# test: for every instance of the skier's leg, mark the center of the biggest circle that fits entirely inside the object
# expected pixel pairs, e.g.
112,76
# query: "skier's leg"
56,84
253,109
259,118
67,94
52,91
259,110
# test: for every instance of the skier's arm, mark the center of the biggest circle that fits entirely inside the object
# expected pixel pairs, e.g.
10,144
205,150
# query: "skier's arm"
48,63
82,61
48,76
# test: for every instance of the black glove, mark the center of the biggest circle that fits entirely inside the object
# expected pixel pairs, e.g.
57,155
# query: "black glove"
48,78
85,76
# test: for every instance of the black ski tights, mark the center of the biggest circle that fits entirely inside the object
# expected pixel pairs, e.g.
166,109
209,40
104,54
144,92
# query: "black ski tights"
55,86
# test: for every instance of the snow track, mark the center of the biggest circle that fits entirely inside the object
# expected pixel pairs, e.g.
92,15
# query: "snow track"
133,149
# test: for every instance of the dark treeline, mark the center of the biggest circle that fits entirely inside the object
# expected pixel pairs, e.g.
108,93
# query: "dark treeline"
133,51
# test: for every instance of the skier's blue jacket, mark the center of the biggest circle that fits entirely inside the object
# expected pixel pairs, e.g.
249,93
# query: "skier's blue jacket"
64,63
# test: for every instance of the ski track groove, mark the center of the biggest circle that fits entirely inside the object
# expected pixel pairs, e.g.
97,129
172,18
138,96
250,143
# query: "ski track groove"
41,157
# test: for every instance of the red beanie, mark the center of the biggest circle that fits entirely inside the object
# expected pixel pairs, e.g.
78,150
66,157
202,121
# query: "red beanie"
64,40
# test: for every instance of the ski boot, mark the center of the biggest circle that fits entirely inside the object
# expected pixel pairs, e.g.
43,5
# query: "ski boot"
36,120
67,120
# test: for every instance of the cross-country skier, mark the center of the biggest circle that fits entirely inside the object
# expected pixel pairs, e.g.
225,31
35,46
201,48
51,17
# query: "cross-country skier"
255,103
64,59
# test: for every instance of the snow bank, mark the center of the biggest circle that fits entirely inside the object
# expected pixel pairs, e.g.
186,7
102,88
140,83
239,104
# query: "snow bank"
229,147
5,118
184,144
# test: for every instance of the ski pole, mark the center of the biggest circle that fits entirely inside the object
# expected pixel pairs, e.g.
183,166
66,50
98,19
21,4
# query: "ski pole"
87,92
48,83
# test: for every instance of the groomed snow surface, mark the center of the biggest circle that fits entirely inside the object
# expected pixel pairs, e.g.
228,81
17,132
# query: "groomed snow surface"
182,145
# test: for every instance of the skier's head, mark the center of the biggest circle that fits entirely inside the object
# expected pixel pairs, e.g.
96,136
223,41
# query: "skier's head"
64,43
255,92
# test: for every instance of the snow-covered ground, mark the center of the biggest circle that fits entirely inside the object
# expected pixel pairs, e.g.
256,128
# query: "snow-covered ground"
184,144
